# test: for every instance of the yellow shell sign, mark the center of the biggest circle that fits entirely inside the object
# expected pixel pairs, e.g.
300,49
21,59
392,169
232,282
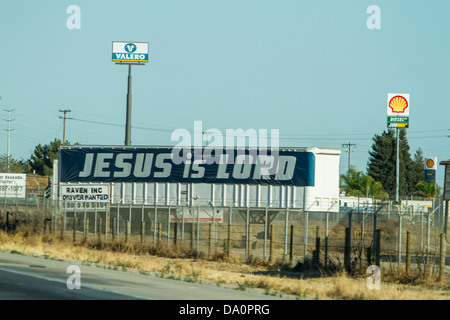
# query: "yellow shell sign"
398,104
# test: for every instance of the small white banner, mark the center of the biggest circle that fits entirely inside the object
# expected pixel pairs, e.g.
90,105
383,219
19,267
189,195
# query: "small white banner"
84,197
13,185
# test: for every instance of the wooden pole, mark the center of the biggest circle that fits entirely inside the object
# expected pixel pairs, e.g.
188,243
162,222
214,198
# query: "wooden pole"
442,257
271,244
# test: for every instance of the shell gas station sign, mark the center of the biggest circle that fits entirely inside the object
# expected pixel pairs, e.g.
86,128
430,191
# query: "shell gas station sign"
398,110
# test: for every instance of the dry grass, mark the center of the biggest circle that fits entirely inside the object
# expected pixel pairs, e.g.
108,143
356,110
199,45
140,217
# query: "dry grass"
233,271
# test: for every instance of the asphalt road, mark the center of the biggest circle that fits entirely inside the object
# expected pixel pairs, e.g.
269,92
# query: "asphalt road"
24,277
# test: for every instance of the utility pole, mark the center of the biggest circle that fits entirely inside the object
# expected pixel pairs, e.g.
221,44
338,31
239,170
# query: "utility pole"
9,135
65,111
349,150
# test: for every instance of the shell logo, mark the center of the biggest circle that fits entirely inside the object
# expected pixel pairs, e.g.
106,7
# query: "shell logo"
430,163
398,104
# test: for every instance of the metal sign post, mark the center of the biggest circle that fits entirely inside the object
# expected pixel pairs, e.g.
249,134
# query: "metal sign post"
398,117
129,53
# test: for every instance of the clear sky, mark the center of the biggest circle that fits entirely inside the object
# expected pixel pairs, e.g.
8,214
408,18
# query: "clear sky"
310,68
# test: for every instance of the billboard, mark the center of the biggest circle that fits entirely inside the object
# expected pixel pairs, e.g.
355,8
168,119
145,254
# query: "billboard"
156,164
13,185
398,110
123,51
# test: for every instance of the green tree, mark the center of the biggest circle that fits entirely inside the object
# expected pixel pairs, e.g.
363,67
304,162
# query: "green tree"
8,164
41,161
416,172
425,189
382,163
356,183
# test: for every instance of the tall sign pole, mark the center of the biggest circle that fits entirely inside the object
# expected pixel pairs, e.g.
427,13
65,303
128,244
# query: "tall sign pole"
129,53
128,117
397,167
398,117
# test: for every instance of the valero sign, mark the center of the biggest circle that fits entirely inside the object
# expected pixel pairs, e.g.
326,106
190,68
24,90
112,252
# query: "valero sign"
129,51
398,110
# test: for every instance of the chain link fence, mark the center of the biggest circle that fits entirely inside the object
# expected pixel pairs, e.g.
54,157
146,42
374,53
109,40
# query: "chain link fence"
383,233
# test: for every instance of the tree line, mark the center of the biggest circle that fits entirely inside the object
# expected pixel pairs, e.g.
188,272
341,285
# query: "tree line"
40,161
380,179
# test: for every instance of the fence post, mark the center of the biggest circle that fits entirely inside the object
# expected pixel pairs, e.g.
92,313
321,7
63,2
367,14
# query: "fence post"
113,234
168,226
107,221
127,230
271,244
399,239
192,232
142,231
306,235
347,250
95,221
247,235
154,226
265,234
118,222
229,238
286,220
63,222
210,240
99,226
175,232
198,232
249,242
291,246
159,233
378,248
316,258
442,257
326,240
86,228
74,225
408,252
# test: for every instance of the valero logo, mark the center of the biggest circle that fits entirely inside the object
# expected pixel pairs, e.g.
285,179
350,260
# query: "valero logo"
130,47
430,163
398,104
